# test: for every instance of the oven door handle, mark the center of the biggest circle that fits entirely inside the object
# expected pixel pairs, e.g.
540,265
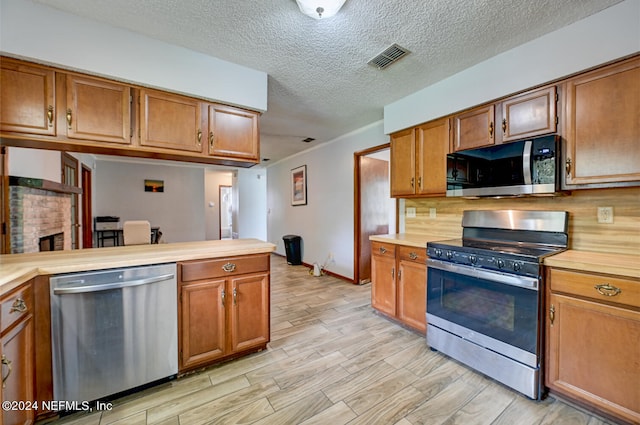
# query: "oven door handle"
493,276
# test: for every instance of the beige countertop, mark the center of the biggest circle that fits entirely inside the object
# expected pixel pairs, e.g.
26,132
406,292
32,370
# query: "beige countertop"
597,262
16,269
408,239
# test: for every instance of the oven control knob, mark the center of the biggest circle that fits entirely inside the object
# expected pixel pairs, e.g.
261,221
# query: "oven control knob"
438,252
449,255
516,266
473,259
500,263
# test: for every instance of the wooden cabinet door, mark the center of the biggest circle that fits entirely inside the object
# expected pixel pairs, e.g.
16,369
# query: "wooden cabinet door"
475,128
592,354
27,99
202,322
412,294
18,365
383,284
603,125
233,133
528,115
170,121
98,110
403,163
432,144
249,307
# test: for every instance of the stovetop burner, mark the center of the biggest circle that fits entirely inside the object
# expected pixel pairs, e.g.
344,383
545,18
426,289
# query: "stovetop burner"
509,241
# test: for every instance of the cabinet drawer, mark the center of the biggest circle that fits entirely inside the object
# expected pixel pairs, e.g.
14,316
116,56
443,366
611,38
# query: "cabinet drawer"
16,305
408,253
383,249
599,287
222,267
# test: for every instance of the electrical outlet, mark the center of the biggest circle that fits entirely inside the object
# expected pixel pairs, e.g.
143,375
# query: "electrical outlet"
432,213
411,212
605,215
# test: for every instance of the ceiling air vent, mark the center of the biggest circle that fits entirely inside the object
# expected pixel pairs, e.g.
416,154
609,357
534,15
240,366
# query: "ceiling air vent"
389,56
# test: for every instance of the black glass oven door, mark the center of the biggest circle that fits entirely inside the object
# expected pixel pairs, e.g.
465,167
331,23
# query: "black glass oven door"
490,304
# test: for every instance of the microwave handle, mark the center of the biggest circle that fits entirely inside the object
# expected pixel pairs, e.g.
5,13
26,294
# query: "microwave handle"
526,162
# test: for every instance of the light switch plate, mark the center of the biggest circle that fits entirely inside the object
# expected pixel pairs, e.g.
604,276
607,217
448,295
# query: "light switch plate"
411,212
605,215
432,213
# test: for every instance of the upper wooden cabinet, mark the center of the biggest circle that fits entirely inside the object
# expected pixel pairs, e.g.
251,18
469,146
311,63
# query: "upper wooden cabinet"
518,117
475,128
170,121
233,133
98,110
418,159
528,115
27,99
603,126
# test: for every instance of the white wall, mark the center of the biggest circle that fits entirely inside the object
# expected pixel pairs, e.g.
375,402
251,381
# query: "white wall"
326,222
179,210
35,163
600,38
44,34
251,193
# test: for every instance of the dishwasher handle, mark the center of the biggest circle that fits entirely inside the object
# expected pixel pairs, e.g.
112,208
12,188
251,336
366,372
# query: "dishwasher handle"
114,285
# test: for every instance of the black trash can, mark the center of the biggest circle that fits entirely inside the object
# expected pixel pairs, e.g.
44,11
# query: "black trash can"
292,247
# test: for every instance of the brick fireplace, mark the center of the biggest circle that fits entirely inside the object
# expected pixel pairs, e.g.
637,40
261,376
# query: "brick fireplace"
39,209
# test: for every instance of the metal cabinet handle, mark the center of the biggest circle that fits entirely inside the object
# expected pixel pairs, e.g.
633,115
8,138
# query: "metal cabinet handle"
69,118
567,166
608,290
383,250
18,305
199,137
393,272
413,179
420,182
222,297
504,125
50,115
229,267
413,256
552,314
6,362
235,296
491,129
211,140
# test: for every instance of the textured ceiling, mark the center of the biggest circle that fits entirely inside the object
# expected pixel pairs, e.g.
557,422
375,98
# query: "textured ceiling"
320,85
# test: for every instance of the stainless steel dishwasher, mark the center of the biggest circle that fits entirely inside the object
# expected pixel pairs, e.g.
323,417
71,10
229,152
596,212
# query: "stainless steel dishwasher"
113,330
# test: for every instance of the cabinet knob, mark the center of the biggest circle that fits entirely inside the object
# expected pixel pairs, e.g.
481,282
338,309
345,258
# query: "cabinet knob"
211,140
504,125
608,290
50,115
552,314
18,306
69,118
567,166
491,129
413,255
229,267
383,250
199,137
6,362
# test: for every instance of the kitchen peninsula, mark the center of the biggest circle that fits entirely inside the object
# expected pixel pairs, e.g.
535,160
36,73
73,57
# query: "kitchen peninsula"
209,329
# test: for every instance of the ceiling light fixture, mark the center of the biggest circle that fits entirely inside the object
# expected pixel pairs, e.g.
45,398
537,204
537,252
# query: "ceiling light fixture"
320,9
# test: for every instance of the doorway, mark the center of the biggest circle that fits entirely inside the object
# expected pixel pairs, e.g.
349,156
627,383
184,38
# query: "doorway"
70,178
87,227
225,201
375,211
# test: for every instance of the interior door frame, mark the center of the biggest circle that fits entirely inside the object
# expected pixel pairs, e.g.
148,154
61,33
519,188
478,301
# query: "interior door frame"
87,199
220,188
357,225
68,160
5,239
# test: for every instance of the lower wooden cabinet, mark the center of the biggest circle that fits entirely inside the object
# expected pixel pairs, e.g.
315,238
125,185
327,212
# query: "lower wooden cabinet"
593,334
399,283
224,308
18,355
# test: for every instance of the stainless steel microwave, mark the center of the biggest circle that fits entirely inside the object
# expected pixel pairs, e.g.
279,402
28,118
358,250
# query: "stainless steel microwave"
526,167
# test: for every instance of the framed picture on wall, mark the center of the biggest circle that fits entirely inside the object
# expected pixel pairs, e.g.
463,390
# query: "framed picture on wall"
299,186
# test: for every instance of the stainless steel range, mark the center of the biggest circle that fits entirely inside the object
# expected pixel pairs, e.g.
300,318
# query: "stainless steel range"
484,293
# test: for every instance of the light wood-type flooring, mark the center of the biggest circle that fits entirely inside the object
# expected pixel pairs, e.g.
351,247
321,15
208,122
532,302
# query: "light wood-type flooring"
333,361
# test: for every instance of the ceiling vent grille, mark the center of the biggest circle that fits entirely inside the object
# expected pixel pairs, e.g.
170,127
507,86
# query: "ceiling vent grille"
389,56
